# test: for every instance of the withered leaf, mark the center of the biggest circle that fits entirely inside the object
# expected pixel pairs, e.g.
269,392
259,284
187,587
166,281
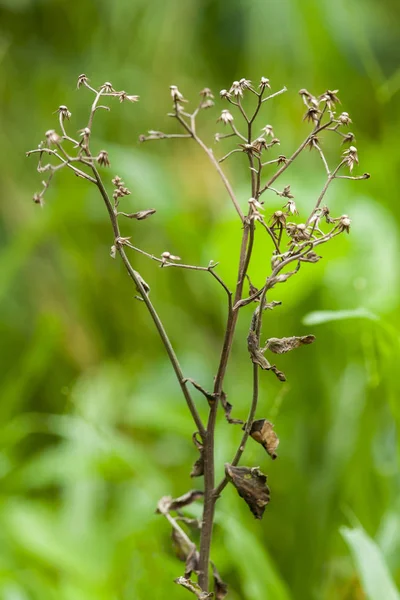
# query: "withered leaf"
258,358
262,431
251,485
167,503
228,409
180,545
198,467
282,345
141,215
193,587
220,587
192,563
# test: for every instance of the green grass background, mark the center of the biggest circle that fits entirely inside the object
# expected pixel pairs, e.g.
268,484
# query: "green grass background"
93,429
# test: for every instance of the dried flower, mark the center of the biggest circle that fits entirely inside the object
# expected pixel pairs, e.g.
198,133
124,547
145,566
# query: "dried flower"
344,223
82,80
256,204
124,96
52,137
348,138
278,219
351,157
236,89
107,88
313,142
344,118
224,94
312,114
64,112
260,144
206,93
176,95
291,207
282,160
268,131
330,98
226,117
325,213
286,192
264,83
245,83
102,158
167,256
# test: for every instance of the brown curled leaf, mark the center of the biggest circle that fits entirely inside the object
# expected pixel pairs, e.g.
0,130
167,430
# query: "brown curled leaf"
251,485
192,563
282,345
193,587
198,467
220,587
258,358
227,406
262,431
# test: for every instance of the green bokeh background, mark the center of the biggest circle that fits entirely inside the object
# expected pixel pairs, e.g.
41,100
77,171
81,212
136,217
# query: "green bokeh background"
93,430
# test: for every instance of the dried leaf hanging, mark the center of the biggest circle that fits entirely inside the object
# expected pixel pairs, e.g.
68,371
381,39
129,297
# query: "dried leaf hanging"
227,406
262,431
198,467
282,345
220,587
167,503
251,485
193,587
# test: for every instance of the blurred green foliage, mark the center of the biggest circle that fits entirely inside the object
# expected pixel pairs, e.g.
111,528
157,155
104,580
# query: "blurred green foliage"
92,426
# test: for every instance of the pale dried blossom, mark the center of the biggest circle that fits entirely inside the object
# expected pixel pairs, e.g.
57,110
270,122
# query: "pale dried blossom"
344,223
167,256
236,89
52,137
82,80
207,93
124,96
256,204
107,88
176,94
268,131
64,112
224,94
226,117
264,83
344,118
351,157
291,207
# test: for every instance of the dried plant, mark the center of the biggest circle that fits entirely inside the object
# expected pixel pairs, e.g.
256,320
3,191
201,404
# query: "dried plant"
292,244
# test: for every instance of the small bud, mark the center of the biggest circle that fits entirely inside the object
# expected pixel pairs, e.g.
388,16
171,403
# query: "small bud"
38,199
167,256
102,158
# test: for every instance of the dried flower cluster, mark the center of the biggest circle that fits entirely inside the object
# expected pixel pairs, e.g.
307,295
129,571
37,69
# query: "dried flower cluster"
294,241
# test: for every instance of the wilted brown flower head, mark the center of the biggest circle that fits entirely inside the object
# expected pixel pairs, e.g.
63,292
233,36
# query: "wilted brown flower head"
103,159
330,97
